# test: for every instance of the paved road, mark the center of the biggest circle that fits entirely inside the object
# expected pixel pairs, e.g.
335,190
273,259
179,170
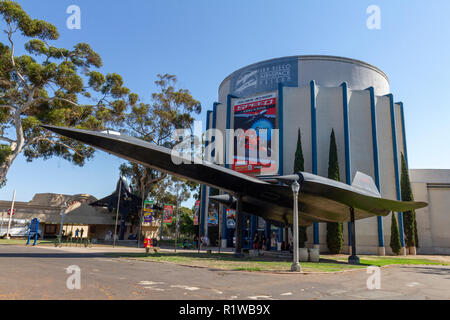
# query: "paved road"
40,273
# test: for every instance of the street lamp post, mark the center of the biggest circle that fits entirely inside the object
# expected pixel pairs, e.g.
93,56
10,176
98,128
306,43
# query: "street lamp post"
177,226
295,264
117,212
11,212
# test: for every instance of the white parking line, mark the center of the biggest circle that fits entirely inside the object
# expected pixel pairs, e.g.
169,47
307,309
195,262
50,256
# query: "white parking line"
149,283
185,287
154,288
261,297
413,284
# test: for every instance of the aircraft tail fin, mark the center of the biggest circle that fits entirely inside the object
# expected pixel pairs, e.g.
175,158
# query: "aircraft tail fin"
365,183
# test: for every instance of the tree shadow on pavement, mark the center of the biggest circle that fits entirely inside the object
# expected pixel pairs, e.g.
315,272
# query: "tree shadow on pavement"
432,270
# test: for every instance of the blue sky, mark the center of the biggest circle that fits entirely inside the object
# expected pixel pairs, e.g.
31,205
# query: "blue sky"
202,41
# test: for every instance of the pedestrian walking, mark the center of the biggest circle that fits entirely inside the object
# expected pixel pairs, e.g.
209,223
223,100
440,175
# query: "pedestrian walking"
196,241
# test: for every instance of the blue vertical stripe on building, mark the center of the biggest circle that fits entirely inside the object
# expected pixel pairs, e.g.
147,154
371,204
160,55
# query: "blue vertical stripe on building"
314,145
202,211
224,210
376,160
405,149
281,142
280,128
396,169
348,159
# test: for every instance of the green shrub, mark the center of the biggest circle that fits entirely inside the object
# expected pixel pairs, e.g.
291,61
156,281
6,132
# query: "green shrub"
395,236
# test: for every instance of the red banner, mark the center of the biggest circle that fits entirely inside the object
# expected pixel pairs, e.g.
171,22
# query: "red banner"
168,213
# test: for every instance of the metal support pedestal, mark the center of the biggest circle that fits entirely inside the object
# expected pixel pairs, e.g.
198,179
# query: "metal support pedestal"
353,259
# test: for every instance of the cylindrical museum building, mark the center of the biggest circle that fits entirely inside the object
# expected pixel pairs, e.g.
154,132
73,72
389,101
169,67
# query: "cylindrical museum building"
316,95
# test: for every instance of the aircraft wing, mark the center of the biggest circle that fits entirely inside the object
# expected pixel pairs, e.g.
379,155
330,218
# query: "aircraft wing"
160,158
321,199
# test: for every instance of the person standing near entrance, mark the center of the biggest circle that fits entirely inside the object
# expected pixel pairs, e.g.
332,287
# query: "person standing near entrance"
263,243
256,242
206,241
82,231
196,241
76,233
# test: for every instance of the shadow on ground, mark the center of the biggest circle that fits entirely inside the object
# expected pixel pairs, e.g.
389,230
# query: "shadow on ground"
215,256
61,255
440,271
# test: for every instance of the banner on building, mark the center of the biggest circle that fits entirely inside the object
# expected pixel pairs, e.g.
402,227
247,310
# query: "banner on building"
256,116
231,218
168,213
213,214
148,211
196,212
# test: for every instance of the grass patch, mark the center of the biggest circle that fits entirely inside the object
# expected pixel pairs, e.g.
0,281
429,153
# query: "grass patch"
24,242
393,260
225,261
380,261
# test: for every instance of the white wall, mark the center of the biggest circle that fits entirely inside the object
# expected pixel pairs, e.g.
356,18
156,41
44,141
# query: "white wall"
433,222
330,115
296,114
332,71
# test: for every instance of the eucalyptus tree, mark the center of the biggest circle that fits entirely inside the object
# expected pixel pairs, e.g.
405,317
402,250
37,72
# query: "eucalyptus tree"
169,109
51,85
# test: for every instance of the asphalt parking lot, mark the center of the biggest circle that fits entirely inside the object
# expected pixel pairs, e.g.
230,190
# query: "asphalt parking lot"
41,273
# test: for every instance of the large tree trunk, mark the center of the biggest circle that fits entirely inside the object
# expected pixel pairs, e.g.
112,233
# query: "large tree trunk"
4,167
15,146
3,171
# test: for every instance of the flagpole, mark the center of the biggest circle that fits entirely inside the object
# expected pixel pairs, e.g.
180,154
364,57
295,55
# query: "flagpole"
10,215
3,214
177,223
117,212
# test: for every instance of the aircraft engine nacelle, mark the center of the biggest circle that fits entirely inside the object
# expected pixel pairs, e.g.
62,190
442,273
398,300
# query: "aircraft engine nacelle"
225,199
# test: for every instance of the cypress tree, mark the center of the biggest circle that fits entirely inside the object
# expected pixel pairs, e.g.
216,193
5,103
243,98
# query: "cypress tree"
416,234
299,166
299,162
409,217
335,239
395,236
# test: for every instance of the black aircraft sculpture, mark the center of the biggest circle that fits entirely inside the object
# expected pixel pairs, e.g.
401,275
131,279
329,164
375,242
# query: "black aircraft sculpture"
320,199
128,203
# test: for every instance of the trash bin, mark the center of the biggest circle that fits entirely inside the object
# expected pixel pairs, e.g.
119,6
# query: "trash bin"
314,255
303,254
